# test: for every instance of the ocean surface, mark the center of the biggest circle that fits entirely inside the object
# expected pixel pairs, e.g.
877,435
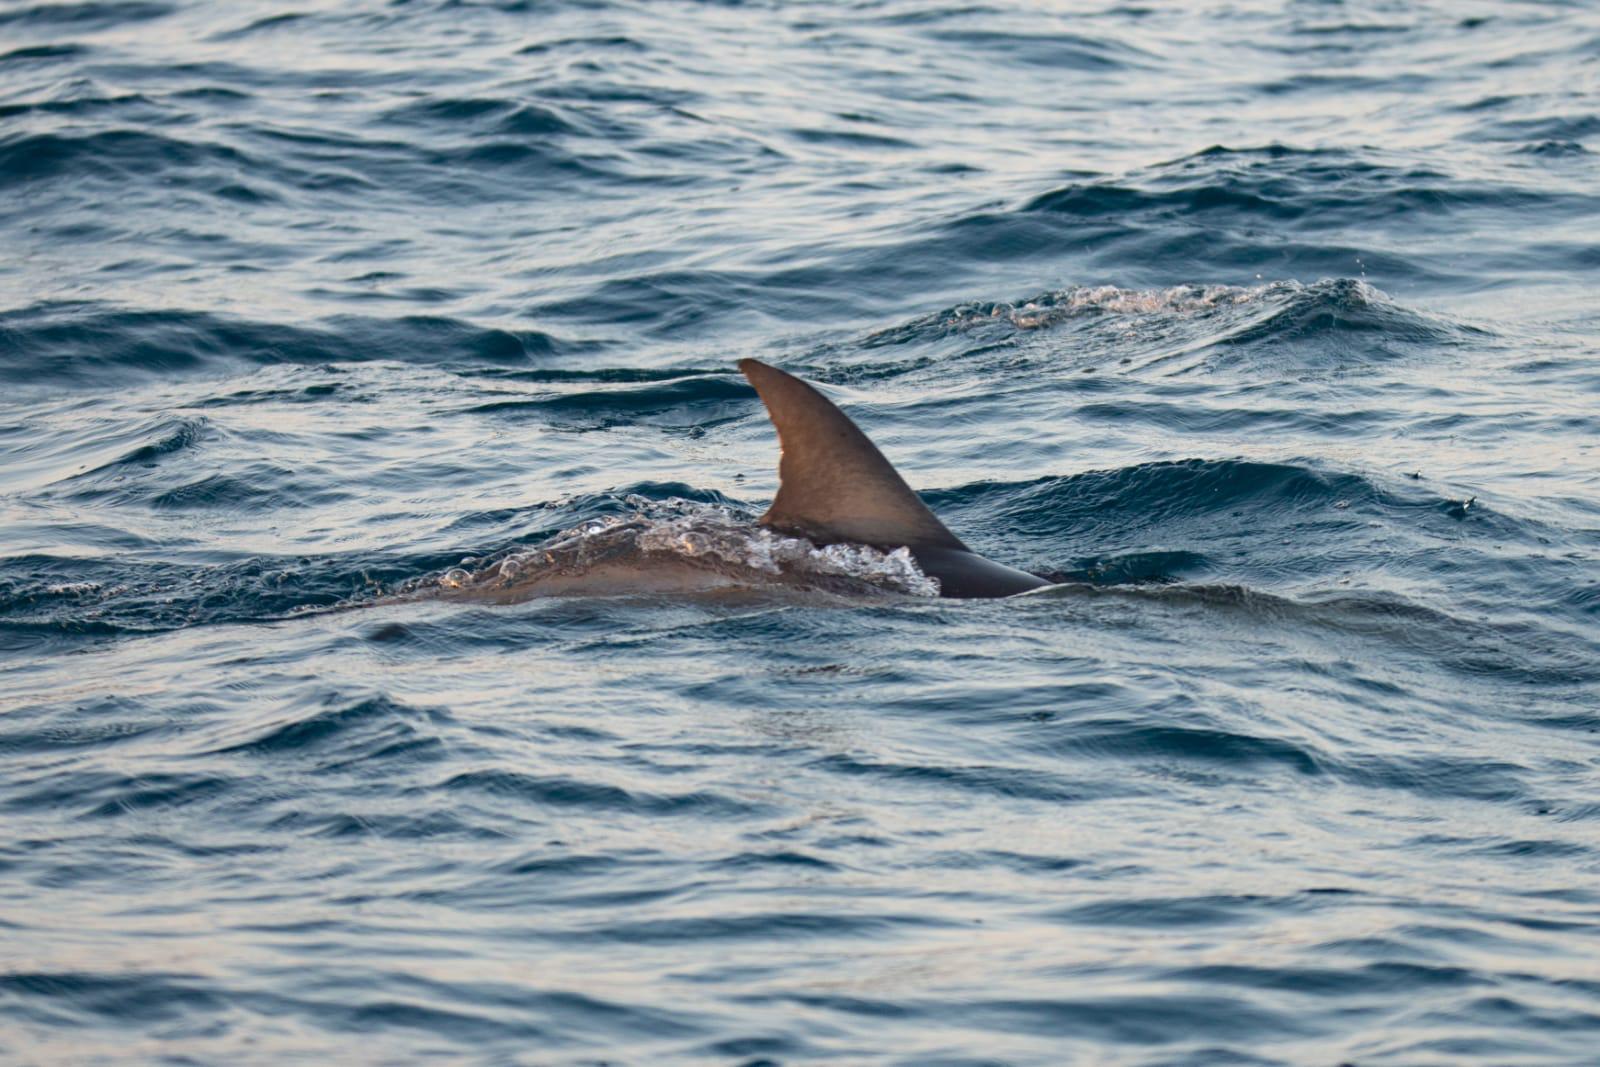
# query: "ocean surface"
1269,331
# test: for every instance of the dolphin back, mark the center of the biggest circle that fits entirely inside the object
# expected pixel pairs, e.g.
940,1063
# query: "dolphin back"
966,574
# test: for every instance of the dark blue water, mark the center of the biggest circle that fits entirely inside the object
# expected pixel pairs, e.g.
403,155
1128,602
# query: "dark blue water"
1270,330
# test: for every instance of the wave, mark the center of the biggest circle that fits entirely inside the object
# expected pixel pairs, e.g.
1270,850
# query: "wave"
468,151
1060,306
82,17
41,461
46,597
115,155
102,345
44,53
337,734
126,105
562,791
479,115
1500,651
692,403
1334,326
1107,506
1234,214
1051,51
1298,188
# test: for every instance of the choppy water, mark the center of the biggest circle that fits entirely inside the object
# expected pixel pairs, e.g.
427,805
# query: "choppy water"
1270,329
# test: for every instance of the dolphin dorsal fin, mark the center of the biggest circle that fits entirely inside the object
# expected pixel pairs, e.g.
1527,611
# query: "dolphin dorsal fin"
833,484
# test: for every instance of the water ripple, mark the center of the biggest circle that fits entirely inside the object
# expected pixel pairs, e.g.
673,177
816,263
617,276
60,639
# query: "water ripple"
334,338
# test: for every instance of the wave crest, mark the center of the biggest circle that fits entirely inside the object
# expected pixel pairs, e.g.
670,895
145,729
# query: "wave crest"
1049,308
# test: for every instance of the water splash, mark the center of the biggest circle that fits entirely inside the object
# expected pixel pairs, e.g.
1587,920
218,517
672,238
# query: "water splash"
1047,309
718,540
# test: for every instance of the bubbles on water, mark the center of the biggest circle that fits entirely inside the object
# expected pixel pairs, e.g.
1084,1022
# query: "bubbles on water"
73,589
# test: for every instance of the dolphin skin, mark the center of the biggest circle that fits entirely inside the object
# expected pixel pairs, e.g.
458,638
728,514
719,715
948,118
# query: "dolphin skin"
835,487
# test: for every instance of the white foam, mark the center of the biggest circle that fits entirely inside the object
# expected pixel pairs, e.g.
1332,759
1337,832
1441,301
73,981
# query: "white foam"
1050,308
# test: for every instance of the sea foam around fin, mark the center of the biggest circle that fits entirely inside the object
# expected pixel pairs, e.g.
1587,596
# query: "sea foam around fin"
722,543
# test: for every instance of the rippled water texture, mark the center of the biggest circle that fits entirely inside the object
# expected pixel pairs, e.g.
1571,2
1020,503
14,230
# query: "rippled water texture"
1268,330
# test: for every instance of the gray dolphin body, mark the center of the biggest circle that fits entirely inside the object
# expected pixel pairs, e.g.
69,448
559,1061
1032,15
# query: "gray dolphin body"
834,486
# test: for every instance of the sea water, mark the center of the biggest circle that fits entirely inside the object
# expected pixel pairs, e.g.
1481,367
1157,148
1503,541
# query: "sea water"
1269,330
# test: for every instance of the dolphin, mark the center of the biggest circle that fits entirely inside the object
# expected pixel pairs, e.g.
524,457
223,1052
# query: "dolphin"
835,487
